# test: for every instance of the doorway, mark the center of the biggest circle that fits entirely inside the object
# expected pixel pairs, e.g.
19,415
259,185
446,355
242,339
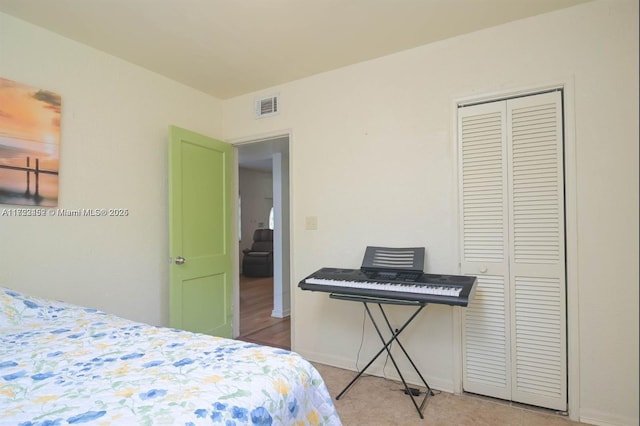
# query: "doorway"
263,303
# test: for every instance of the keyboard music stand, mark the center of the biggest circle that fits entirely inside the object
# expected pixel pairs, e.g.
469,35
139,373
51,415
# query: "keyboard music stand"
387,343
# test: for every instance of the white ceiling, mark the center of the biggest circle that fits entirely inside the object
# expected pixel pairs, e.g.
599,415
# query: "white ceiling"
258,155
231,47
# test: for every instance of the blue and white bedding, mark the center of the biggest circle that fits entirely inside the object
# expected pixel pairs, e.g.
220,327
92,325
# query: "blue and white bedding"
63,364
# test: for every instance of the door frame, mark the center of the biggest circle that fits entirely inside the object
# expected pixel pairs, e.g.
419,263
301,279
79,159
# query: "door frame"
286,254
571,234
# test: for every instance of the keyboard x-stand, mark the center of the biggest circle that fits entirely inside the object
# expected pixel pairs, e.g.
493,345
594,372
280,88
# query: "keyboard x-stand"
384,285
387,344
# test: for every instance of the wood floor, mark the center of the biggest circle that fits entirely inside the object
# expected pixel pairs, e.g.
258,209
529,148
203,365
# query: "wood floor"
256,323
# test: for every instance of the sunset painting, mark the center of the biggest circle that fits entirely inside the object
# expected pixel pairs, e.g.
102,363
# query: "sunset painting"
29,145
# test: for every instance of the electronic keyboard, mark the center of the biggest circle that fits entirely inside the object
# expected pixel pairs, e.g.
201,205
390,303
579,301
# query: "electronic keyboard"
456,290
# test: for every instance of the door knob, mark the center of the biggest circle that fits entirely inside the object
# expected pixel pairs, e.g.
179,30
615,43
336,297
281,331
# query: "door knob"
483,269
180,260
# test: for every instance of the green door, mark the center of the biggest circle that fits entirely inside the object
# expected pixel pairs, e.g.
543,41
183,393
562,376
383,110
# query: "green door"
200,295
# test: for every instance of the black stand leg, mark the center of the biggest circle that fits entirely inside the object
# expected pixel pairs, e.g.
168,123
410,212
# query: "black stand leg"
386,347
428,391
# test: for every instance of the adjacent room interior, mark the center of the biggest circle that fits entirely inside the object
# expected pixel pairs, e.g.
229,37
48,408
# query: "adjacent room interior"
264,315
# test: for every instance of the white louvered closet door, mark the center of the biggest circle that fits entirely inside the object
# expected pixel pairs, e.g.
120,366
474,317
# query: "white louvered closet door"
485,252
512,239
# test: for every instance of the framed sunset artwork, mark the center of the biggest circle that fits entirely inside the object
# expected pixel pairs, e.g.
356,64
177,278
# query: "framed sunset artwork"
29,144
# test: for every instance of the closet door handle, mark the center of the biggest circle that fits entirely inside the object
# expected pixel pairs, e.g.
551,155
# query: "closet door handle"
180,260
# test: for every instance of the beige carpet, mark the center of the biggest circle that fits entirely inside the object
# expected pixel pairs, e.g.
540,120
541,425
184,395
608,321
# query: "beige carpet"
377,401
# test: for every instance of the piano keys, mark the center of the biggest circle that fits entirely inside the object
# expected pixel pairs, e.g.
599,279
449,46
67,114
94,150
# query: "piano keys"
455,290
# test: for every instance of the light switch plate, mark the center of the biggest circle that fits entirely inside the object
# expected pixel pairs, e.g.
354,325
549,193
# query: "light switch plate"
311,223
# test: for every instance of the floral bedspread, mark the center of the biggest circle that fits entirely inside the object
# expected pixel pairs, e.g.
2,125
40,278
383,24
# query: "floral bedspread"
63,364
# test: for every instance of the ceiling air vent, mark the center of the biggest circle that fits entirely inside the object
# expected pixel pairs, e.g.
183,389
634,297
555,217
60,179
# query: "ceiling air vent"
267,106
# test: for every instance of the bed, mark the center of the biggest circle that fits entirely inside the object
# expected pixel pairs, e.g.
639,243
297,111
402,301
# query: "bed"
65,364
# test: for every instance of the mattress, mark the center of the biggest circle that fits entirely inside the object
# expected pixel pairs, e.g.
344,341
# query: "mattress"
66,364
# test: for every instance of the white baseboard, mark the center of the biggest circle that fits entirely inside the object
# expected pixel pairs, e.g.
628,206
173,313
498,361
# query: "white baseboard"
281,314
599,418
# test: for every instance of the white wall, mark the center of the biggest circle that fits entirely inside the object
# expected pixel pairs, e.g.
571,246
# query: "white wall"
373,157
115,119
